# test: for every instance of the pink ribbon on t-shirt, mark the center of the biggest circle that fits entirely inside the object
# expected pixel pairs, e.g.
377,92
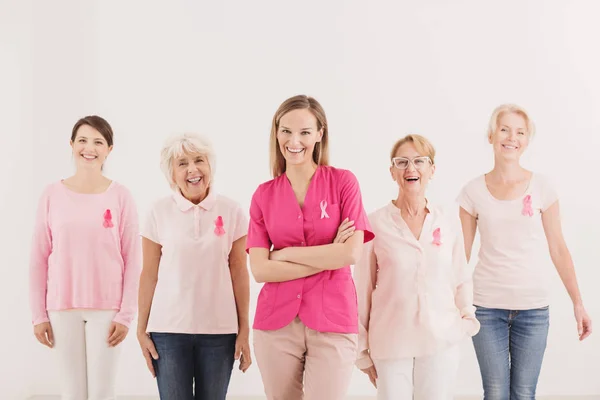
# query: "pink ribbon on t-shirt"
107,219
527,209
219,231
323,208
437,237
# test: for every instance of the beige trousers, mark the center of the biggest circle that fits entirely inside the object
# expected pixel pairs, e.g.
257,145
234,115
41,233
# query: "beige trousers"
296,362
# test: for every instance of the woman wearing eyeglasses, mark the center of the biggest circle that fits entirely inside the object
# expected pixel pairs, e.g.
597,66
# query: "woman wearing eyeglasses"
414,288
518,218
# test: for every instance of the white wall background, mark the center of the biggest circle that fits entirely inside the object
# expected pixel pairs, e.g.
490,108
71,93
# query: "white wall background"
381,70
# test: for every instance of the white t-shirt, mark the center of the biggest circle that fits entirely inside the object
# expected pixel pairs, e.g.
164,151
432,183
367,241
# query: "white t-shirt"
512,268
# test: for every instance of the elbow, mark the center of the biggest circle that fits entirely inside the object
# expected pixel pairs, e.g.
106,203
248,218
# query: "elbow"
352,255
148,279
258,272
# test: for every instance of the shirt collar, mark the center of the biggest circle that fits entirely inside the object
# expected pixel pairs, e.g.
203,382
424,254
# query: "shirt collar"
184,204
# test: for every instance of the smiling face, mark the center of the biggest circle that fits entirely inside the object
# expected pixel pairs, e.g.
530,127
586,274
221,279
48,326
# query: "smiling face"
191,174
90,148
411,170
511,138
297,136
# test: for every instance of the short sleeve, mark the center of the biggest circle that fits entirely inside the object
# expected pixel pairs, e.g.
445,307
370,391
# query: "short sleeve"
149,227
465,199
548,194
352,205
257,230
240,228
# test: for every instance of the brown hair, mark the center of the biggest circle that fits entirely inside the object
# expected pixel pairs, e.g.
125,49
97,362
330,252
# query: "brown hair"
99,124
422,145
321,150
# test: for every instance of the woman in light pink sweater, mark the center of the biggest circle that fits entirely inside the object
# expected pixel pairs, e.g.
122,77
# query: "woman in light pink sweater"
85,264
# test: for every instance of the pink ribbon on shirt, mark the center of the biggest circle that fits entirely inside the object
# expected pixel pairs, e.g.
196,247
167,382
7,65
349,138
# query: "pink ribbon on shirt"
219,231
527,209
437,237
107,219
323,208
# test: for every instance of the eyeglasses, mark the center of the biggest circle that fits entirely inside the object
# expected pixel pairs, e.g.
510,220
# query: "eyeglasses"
418,162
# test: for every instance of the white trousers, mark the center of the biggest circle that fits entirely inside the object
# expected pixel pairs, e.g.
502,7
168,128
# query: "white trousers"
87,365
422,378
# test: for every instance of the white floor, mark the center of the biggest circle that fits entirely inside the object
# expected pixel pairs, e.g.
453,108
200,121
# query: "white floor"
349,398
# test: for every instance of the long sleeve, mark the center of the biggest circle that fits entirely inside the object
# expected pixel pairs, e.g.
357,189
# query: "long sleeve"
366,278
463,295
131,251
41,248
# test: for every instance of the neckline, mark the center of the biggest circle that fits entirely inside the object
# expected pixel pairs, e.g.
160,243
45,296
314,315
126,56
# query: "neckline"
494,198
401,223
308,189
65,187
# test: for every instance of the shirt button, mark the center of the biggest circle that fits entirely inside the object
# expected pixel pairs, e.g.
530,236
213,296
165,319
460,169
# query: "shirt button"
299,216
302,243
298,296
377,269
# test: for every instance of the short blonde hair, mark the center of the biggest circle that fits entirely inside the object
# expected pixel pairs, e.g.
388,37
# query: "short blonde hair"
177,145
321,150
510,108
422,144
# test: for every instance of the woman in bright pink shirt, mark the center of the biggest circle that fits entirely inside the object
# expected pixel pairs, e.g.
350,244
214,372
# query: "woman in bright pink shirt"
85,264
306,321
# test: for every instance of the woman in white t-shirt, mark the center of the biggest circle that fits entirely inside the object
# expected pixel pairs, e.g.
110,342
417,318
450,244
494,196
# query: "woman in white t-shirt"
517,213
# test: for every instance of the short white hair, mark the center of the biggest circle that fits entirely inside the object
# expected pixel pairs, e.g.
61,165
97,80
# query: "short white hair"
177,145
513,109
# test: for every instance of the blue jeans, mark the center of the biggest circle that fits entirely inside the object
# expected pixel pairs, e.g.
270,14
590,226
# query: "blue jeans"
193,367
510,348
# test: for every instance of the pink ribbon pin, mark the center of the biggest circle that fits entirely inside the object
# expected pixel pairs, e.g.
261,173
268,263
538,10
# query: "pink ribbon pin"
323,209
219,231
437,237
527,209
107,219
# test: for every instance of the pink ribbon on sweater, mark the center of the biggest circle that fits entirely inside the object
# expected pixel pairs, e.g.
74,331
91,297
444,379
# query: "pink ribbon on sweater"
219,231
107,219
527,209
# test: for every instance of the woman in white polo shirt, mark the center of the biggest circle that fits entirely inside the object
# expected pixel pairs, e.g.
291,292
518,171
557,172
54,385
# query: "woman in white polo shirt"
194,287
518,218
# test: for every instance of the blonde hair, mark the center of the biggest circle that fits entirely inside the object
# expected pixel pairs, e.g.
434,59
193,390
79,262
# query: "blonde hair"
321,149
423,146
510,108
176,145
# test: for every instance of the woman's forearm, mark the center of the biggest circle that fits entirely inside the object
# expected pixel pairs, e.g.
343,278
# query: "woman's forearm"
146,294
566,270
241,291
324,257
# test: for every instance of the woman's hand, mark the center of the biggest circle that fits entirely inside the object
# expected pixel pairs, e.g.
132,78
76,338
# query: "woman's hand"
584,322
43,333
242,349
345,230
148,350
116,333
372,373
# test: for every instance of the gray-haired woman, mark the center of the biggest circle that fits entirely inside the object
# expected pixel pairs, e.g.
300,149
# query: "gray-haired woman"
194,287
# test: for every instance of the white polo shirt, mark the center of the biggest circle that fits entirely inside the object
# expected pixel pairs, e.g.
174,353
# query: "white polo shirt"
194,292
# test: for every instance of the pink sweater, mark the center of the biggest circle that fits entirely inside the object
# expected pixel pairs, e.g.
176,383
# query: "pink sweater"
86,253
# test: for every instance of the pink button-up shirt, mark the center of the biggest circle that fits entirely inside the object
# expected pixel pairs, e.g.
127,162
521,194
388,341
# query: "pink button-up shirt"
326,301
415,295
